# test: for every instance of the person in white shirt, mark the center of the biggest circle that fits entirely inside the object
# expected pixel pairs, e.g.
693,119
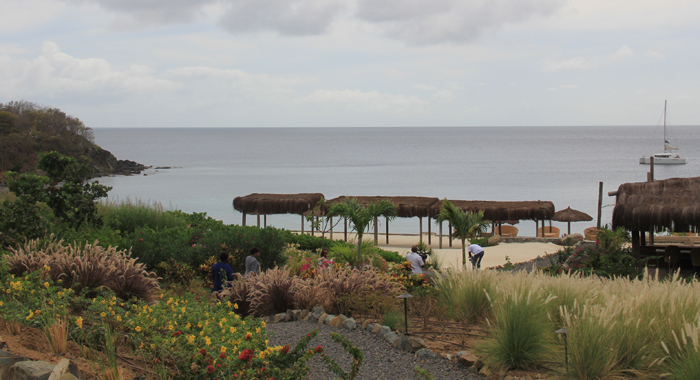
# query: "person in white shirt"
416,261
475,255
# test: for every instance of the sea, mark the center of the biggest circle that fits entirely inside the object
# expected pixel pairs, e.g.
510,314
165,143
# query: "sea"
208,167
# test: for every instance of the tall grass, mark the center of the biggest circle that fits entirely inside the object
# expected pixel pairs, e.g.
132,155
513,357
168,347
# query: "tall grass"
127,215
615,326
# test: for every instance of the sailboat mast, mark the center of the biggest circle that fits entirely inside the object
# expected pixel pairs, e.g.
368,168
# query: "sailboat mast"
665,141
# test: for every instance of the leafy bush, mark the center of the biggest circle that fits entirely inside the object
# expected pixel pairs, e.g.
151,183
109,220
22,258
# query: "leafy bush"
128,215
174,272
85,267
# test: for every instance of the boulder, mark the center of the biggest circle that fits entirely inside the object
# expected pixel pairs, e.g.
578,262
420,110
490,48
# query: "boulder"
322,318
304,314
30,370
495,239
390,337
468,359
365,324
376,328
385,330
341,319
318,310
335,322
350,324
410,344
7,360
425,353
280,317
329,319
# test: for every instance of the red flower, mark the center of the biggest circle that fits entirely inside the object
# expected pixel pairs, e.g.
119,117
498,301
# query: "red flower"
248,336
222,355
285,349
177,333
140,239
319,349
246,355
203,351
210,368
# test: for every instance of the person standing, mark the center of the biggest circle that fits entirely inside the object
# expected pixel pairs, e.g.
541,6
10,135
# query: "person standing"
252,265
221,272
416,261
475,255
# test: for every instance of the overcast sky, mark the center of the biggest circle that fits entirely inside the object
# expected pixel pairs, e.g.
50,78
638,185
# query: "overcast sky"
327,63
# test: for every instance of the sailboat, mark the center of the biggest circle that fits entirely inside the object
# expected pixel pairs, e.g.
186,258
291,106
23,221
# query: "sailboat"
668,157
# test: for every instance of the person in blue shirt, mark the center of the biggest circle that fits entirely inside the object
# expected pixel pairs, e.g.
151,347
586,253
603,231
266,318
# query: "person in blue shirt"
221,272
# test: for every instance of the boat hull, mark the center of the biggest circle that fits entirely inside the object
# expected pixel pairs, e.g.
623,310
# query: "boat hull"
663,160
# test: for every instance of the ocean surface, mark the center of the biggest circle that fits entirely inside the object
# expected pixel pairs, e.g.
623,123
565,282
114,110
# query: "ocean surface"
211,166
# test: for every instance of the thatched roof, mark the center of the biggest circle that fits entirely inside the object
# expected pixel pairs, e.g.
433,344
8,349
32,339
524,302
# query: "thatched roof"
407,207
266,204
672,203
570,215
502,211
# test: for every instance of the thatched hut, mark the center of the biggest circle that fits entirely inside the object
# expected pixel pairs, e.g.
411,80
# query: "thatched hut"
266,204
671,204
499,212
406,207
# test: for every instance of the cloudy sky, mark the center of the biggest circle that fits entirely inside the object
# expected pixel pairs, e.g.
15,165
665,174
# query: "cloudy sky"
278,63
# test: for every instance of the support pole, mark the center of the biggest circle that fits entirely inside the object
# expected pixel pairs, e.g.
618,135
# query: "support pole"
346,228
420,228
258,220
650,177
449,225
331,227
302,224
244,219
265,221
429,232
440,235
376,231
635,245
387,230
600,203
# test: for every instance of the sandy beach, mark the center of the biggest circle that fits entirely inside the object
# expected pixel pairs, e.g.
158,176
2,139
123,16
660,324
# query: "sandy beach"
452,257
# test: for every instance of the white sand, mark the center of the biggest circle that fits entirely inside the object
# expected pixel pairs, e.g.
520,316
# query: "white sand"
452,257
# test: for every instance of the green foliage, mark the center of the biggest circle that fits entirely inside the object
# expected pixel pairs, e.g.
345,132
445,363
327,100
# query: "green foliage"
128,216
391,256
521,335
350,349
394,319
424,373
361,217
173,272
466,295
465,224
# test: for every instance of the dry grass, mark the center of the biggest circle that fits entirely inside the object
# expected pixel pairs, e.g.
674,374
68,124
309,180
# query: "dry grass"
57,336
89,266
270,292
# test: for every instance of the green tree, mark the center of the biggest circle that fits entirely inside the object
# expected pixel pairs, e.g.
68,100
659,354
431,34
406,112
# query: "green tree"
465,224
362,217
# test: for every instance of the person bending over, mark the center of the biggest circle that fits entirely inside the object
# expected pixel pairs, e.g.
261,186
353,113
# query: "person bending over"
475,255
221,272
252,265
416,261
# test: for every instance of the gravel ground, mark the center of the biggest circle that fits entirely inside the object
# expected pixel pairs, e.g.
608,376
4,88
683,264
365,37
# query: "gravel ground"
380,360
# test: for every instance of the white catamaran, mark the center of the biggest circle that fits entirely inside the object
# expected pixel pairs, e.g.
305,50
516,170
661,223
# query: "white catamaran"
667,157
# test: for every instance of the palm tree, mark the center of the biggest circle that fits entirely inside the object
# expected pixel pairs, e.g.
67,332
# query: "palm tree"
465,224
362,217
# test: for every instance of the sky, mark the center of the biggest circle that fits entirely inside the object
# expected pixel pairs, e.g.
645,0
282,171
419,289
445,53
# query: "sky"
346,63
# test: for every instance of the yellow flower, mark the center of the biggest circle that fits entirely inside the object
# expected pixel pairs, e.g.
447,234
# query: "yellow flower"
263,324
170,327
1,303
119,318
257,331
235,306
50,302
138,329
233,330
223,349
46,284
190,339
103,314
188,325
79,322
207,341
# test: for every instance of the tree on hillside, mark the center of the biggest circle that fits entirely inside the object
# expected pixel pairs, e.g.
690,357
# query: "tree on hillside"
362,217
465,224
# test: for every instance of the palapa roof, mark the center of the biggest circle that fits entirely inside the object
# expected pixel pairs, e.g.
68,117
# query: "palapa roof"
266,204
671,203
502,211
406,207
570,215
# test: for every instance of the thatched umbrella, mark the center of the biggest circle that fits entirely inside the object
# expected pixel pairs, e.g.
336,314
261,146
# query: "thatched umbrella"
569,215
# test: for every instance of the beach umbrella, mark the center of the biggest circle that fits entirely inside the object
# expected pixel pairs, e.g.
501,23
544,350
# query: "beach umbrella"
569,215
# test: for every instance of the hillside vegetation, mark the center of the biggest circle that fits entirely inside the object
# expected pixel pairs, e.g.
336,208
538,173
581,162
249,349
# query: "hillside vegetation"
27,128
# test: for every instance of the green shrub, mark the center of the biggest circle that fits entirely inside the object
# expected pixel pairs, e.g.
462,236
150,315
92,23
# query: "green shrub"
394,319
128,215
466,294
521,335
174,272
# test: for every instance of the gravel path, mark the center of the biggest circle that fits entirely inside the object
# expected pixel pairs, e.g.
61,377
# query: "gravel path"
380,360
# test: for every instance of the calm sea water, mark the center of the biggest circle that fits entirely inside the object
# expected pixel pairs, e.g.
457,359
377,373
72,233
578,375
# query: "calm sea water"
211,166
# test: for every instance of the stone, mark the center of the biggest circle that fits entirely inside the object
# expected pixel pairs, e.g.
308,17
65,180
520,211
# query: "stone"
369,327
329,319
311,318
3,344
385,330
296,314
59,369
460,353
365,324
495,239
322,318
304,314
342,319
350,324
318,310
390,337
288,316
411,344
7,360
335,322
468,359
280,317
376,328
486,371
425,353
30,370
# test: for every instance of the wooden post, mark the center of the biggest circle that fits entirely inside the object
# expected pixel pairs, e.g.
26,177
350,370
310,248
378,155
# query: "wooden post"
387,230
265,221
635,244
331,227
651,236
643,238
537,225
501,232
420,229
244,219
429,232
651,169
440,235
449,225
346,228
258,220
600,203
376,231
302,224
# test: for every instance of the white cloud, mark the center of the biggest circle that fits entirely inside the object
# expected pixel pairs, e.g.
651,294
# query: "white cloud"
624,53
443,95
373,100
424,87
19,15
578,63
54,73
654,54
